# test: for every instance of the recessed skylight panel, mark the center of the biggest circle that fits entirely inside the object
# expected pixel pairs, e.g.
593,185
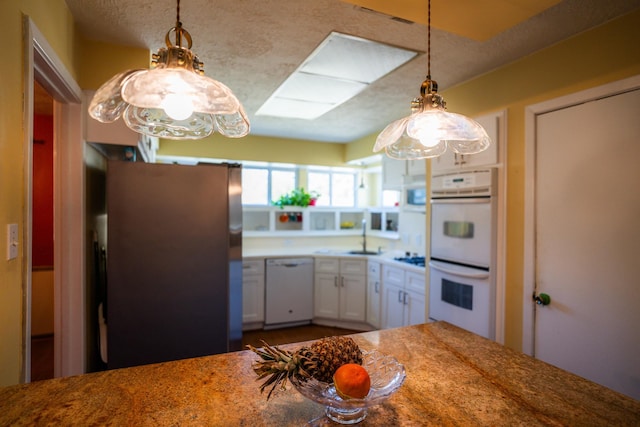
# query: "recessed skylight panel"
354,58
336,71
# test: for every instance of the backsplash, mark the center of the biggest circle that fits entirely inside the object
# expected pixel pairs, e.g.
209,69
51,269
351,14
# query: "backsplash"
412,232
293,244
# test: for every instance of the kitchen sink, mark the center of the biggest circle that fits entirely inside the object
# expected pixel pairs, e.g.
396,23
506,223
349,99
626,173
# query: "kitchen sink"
362,253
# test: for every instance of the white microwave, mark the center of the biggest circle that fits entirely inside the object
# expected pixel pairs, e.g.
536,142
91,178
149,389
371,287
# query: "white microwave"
415,198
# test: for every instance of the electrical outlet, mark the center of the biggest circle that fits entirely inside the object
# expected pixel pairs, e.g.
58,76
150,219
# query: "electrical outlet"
12,241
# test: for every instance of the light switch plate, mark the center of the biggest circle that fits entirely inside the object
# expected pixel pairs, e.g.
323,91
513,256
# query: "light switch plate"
12,241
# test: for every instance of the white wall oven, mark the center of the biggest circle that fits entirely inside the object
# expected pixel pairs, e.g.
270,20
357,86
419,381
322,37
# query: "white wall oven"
463,250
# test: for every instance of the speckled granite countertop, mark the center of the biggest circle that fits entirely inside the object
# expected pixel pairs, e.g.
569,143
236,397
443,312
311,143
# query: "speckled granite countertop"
453,378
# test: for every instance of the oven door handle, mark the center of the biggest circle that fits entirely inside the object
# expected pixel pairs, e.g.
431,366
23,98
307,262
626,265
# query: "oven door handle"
461,200
439,267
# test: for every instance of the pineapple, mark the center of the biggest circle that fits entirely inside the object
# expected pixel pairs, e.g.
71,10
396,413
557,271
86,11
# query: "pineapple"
320,360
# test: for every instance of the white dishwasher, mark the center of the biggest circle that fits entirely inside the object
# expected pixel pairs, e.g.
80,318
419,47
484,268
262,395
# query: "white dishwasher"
288,291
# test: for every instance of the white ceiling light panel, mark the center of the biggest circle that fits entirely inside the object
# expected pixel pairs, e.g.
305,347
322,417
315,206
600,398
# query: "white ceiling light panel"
340,68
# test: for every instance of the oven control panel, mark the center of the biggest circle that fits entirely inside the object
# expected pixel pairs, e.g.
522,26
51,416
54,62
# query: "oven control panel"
480,182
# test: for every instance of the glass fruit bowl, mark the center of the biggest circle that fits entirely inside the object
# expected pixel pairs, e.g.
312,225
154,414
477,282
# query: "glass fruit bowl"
386,373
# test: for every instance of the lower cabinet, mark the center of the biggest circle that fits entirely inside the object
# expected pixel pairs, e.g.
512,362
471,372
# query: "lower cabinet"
416,303
340,289
404,301
252,293
393,309
374,294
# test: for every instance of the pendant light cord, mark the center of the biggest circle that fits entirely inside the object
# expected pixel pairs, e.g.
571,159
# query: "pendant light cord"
179,30
429,39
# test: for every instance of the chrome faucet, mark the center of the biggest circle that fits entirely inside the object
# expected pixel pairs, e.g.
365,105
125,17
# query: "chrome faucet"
364,235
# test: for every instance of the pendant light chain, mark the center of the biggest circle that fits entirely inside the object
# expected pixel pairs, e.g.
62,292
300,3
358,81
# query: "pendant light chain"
429,39
179,31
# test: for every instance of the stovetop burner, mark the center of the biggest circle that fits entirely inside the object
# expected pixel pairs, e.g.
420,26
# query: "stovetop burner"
413,260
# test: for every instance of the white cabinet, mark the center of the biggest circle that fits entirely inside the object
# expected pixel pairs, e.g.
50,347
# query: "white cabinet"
495,125
252,293
393,306
393,173
403,299
326,295
396,173
374,294
415,301
392,300
416,168
340,288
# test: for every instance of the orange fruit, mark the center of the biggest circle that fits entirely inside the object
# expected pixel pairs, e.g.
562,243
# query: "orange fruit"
351,381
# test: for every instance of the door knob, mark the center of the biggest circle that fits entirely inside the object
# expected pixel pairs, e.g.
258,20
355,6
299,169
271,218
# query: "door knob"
542,299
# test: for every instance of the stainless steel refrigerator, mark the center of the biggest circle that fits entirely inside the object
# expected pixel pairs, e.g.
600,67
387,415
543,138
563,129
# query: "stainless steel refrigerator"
174,261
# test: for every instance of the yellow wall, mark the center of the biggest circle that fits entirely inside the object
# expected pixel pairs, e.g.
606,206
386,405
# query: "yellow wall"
258,148
268,149
608,53
101,61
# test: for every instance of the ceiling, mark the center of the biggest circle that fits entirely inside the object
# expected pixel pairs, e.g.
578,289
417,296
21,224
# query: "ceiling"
253,46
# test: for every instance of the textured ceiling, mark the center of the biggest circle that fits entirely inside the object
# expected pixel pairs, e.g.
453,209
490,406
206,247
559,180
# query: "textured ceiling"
252,46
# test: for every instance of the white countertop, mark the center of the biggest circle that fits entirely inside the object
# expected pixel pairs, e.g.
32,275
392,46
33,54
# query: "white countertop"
297,252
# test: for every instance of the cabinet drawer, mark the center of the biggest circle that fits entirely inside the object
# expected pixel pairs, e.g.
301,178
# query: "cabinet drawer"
392,275
415,282
254,267
327,265
353,266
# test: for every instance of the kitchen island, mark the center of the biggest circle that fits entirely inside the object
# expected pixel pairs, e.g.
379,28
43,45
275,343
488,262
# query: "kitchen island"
453,378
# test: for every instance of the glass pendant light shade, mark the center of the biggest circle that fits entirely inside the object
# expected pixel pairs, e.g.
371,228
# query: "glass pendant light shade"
107,104
161,87
156,122
174,100
460,133
399,145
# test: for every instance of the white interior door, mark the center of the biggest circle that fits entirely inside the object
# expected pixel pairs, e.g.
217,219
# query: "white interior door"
587,240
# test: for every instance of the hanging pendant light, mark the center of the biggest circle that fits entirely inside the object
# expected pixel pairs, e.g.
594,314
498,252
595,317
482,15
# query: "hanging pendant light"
174,99
430,128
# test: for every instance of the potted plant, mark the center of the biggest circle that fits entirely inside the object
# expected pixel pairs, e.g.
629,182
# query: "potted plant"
297,197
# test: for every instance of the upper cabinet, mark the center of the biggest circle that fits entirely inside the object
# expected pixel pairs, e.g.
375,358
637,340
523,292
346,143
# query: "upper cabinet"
416,168
396,173
393,173
495,125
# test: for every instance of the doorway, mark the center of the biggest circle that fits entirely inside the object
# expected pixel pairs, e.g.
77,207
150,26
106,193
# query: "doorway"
41,64
582,235
42,273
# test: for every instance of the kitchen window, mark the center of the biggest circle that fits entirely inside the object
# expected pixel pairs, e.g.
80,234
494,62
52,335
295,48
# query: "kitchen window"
262,184
265,182
336,187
